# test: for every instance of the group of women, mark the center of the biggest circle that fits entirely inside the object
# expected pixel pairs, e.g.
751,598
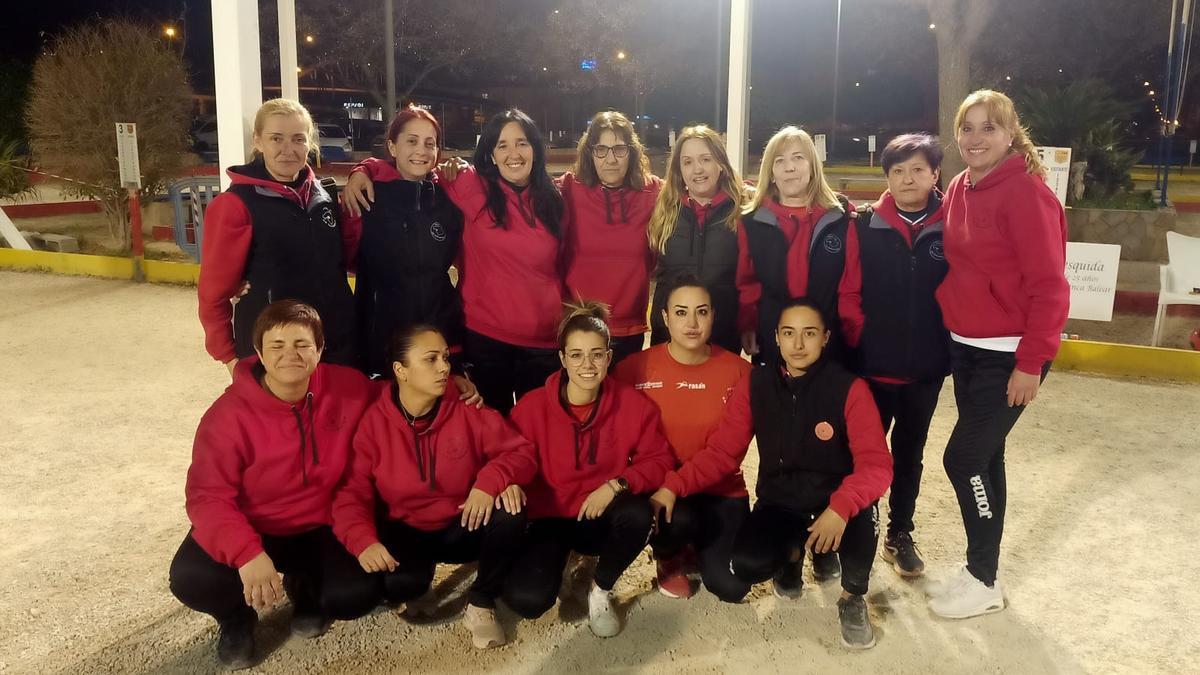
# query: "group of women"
852,319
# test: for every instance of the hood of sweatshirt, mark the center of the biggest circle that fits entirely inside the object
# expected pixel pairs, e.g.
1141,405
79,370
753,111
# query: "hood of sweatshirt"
308,193
1013,165
425,454
248,389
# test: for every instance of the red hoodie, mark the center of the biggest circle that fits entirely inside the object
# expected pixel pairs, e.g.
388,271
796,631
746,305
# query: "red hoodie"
422,477
263,466
1005,242
623,439
606,252
797,223
727,447
228,231
510,282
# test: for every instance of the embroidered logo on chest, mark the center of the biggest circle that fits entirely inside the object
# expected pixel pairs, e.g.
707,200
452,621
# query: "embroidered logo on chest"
936,251
832,243
437,231
328,218
823,430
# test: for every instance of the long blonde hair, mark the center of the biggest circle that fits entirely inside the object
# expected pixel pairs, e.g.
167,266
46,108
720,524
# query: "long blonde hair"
286,106
638,173
818,191
670,198
1002,112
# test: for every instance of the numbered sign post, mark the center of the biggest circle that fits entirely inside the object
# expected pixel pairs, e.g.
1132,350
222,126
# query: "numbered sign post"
871,147
819,141
131,180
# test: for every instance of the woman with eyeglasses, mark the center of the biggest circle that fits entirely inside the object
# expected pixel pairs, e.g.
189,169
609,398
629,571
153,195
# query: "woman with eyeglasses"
609,196
509,276
601,450
693,230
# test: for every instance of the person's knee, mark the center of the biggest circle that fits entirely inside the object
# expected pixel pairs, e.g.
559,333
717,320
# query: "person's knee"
507,524
725,585
349,599
631,513
403,585
529,601
752,567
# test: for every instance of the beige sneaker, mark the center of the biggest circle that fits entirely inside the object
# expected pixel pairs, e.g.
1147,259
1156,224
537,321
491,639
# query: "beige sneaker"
486,631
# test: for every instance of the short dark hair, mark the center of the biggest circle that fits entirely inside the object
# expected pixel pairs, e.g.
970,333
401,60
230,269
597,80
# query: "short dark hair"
402,340
587,316
903,147
408,114
804,302
283,313
686,280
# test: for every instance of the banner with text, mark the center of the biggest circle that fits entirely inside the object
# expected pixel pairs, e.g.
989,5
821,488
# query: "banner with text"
1092,273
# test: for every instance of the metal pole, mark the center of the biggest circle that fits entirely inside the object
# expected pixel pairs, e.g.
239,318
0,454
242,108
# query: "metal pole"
837,44
720,63
1161,164
238,76
389,57
739,80
135,224
1171,104
289,83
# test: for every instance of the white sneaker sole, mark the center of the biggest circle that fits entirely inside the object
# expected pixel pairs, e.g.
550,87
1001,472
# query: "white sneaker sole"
990,609
858,648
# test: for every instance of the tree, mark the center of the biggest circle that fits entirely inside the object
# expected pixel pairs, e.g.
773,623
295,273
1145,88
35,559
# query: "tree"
14,89
94,76
14,179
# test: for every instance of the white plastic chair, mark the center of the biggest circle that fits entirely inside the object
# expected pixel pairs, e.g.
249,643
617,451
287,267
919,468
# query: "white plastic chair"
1177,278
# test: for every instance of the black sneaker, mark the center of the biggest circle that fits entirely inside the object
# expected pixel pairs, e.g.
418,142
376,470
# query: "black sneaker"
787,581
856,625
826,566
308,624
235,647
900,550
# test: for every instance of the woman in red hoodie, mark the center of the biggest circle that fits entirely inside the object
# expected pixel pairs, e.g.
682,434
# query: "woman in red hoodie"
448,475
277,229
266,459
609,197
1005,301
510,280
690,380
601,449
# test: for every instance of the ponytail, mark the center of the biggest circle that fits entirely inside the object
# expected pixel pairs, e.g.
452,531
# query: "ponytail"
588,316
1023,146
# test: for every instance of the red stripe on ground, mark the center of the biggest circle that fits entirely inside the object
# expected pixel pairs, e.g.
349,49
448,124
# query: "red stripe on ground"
1146,302
1187,207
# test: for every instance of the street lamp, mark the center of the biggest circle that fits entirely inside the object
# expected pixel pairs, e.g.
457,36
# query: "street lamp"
621,56
309,39
169,31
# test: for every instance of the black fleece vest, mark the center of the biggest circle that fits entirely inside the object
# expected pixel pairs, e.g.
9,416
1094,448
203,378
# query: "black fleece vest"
296,253
410,238
826,261
903,334
711,253
798,469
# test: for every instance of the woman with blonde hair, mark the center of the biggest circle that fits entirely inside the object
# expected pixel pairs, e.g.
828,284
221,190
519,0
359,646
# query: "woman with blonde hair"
792,242
694,229
609,196
1005,301
279,230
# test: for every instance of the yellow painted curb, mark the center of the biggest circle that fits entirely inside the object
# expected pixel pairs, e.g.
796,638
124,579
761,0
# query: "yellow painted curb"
1106,358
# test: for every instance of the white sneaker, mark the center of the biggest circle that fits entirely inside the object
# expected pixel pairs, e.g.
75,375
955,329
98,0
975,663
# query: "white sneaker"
937,586
963,596
602,616
486,631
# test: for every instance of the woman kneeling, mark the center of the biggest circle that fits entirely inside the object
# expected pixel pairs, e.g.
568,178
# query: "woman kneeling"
449,477
601,448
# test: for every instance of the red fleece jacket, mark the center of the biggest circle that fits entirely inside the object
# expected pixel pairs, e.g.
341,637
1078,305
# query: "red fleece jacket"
263,466
606,253
511,285
727,448
1005,242
228,231
423,477
624,438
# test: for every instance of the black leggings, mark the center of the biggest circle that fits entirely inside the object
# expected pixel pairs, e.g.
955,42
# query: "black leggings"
504,372
907,409
974,458
617,536
710,523
771,533
417,553
318,574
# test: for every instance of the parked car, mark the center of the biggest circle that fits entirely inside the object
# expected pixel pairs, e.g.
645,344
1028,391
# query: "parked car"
205,136
335,144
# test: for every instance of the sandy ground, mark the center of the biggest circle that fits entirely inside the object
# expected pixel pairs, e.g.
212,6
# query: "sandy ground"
103,382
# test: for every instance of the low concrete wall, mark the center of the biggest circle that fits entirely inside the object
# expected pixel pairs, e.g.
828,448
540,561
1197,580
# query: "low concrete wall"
1141,234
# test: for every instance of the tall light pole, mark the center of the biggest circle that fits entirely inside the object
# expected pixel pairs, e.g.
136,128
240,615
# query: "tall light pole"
389,56
837,43
721,36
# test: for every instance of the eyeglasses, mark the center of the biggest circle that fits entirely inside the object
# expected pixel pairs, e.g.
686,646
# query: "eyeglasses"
576,359
618,151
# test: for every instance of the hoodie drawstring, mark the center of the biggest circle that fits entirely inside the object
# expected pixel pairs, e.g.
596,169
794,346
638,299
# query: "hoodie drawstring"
304,437
620,202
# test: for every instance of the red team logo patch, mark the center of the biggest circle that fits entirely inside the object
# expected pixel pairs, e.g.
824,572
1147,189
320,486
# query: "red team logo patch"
824,430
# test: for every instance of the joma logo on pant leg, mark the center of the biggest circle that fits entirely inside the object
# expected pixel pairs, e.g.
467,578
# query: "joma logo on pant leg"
981,500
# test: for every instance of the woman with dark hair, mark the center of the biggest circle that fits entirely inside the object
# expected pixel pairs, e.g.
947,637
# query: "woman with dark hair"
447,477
257,507
894,263
1005,300
601,449
510,281
274,235
693,230
823,464
609,196
690,380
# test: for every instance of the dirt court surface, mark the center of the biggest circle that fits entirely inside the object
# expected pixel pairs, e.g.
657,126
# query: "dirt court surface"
103,382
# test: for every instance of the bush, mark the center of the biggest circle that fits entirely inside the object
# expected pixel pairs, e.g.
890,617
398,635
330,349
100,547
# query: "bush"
92,77
14,179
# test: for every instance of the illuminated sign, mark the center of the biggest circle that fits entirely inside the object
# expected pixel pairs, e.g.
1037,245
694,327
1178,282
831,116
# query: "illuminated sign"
587,64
